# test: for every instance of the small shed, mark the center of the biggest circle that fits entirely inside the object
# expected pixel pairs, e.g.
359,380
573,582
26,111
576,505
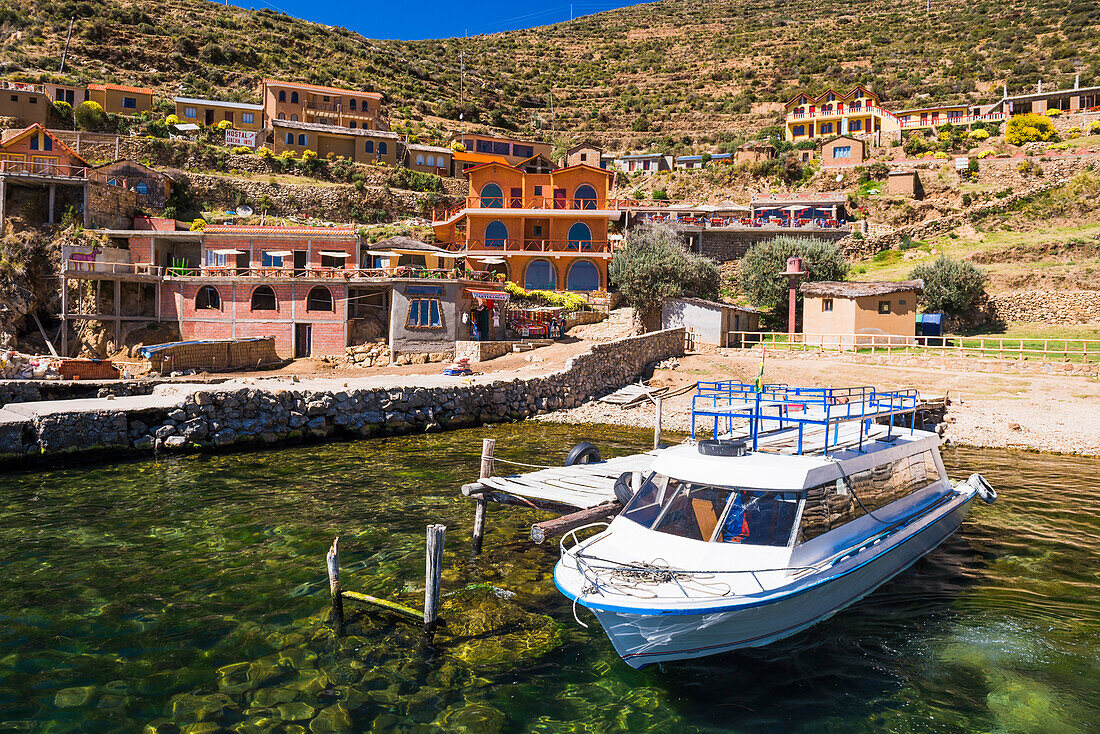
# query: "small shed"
152,187
583,154
849,314
843,150
754,151
711,322
904,183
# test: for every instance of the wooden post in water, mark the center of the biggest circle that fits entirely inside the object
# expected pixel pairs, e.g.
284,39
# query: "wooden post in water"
488,447
332,560
433,573
659,401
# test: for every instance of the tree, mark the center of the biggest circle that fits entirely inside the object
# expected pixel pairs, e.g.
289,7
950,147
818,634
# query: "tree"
764,263
653,265
1029,128
950,286
90,116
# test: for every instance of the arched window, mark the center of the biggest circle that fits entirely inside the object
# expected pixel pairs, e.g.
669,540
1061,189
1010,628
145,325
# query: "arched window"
540,276
584,197
141,188
294,118
496,234
208,297
368,147
492,197
382,148
319,299
583,276
263,299
351,104
431,160
282,115
301,140
282,95
580,237
294,98
290,138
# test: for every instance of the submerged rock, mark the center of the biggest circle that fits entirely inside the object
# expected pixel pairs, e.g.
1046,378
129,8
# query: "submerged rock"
295,711
335,719
471,718
192,707
68,698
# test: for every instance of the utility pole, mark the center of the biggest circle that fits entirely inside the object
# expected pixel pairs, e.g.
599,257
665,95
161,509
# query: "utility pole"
65,52
551,117
461,84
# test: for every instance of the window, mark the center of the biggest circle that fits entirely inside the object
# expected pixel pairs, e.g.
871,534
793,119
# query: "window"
34,143
420,159
352,124
842,151
290,138
15,98
830,505
271,261
584,197
716,514
855,125
352,104
325,98
580,237
129,103
190,112
319,299
208,297
328,261
496,234
536,230
523,151
214,259
826,304
141,188
583,276
424,313
263,298
827,128
382,148
228,115
540,276
282,95
798,130
584,157
247,118
431,160
483,146
282,115
492,197
47,142
538,191
294,98
884,307
301,140
901,301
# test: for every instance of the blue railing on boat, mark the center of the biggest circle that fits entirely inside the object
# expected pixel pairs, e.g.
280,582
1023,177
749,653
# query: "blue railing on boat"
798,407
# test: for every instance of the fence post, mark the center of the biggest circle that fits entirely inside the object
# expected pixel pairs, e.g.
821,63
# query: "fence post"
433,574
332,562
488,447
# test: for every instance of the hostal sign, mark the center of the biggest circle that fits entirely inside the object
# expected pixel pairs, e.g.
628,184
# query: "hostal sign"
240,137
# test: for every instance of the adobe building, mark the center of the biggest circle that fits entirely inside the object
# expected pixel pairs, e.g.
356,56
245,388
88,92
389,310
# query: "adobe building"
429,159
118,99
210,112
25,103
362,145
843,150
35,158
711,322
313,103
511,150
754,151
583,154
904,183
543,231
848,314
71,94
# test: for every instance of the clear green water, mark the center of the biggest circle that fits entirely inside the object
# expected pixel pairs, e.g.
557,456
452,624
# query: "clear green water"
189,593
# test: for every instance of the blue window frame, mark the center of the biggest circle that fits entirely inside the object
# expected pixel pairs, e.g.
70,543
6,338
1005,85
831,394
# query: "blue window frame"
129,103
142,188
496,233
301,140
290,138
271,261
855,125
492,197
584,197
842,151
424,313
540,276
799,130
294,98
247,118
580,237
368,146
382,149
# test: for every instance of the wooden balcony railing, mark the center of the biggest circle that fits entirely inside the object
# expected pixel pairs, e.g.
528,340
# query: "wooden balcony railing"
41,168
948,120
525,245
532,203
404,271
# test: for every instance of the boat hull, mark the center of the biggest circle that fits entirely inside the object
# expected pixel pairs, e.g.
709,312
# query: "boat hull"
646,636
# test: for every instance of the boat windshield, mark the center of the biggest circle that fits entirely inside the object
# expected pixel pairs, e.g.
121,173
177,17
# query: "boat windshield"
716,514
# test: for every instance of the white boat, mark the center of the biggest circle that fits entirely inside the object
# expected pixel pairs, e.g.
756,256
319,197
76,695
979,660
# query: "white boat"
738,541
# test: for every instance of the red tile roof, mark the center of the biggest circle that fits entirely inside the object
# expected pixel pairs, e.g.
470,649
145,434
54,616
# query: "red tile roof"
319,87
120,88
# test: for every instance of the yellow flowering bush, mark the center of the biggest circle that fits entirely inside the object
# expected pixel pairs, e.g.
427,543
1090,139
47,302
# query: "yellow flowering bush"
172,120
264,152
985,154
224,125
1028,128
979,135
940,155
1053,113
198,225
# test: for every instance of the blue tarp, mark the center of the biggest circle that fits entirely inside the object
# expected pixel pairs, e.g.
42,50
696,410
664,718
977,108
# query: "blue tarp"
154,348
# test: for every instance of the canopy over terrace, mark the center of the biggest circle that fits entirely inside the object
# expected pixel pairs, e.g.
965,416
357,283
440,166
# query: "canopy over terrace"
799,206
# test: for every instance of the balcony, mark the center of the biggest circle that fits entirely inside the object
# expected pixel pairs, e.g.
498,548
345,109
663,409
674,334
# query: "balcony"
42,169
289,273
839,112
9,86
522,246
532,203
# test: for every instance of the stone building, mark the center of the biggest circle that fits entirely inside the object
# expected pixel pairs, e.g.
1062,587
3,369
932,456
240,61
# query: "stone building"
711,322
583,154
854,313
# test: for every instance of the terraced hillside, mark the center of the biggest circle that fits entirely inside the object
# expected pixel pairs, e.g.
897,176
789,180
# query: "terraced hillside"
671,72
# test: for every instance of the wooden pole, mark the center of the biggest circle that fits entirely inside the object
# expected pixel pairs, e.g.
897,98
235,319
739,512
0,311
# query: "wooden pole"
332,561
488,448
657,421
433,574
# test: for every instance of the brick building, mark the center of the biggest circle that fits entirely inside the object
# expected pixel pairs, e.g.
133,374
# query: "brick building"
35,158
119,99
321,105
362,145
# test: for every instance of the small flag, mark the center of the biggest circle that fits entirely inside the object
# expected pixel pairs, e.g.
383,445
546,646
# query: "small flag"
760,378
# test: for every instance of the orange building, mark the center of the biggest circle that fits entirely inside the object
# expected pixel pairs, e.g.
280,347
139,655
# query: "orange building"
321,105
121,100
546,231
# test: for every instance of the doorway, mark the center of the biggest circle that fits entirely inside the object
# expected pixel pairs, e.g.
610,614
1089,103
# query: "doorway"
208,118
299,263
303,340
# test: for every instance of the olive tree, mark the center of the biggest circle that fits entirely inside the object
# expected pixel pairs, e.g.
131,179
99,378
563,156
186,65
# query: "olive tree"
762,269
950,286
652,264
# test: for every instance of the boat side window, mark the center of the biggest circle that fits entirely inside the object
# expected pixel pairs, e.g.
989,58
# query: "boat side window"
646,504
693,512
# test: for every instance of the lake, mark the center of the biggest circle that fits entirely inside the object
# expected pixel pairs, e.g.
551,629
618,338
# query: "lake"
188,594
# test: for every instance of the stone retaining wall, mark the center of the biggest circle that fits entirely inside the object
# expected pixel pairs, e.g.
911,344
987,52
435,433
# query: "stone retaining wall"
482,351
32,391
1048,307
227,415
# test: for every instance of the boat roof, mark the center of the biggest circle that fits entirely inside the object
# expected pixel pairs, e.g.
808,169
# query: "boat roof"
768,470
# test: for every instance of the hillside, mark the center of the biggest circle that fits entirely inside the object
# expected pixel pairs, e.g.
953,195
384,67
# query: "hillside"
670,72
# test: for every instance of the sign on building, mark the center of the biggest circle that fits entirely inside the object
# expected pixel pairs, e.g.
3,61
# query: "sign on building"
240,137
961,164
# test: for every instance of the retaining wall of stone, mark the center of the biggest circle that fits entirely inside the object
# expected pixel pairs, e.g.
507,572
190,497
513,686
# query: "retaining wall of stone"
31,391
231,414
1047,307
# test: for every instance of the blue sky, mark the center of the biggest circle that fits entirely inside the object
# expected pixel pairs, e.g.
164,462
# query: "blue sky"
432,18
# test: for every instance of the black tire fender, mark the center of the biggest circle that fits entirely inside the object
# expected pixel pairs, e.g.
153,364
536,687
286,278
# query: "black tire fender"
583,453
983,488
624,492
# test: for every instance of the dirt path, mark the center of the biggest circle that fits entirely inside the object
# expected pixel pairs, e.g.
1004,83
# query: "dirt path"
1040,412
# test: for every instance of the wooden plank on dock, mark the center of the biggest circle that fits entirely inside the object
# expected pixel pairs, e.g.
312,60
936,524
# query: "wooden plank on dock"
581,486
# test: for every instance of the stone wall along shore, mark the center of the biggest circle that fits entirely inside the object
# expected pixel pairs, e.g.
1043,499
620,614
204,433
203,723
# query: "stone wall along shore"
237,414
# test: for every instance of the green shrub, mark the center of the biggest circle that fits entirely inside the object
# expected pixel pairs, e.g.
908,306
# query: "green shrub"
763,265
660,195
90,116
652,264
1029,128
950,286
63,109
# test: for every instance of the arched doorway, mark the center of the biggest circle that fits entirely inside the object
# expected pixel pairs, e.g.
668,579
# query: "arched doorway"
584,197
580,237
496,234
583,276
540,276
492,197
